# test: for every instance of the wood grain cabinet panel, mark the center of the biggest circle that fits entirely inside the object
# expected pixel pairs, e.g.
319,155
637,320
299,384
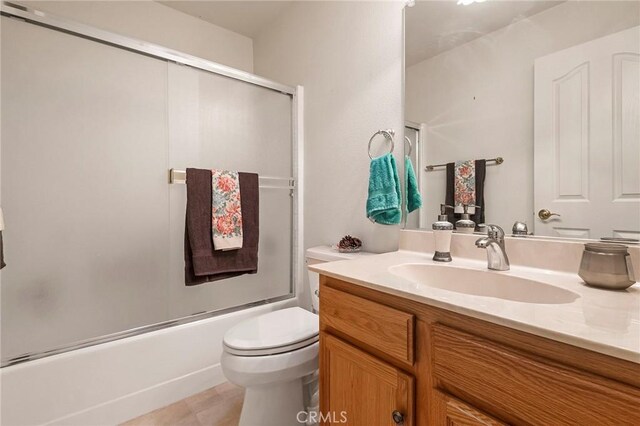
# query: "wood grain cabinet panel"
387,329
524,390
359,389
458,413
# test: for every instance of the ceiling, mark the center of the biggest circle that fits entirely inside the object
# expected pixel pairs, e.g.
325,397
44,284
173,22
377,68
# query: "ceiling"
432,27
244,17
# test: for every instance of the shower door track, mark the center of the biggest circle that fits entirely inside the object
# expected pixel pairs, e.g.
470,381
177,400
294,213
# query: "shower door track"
57,23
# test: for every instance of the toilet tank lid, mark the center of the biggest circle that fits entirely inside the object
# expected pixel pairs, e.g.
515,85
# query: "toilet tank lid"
273,330
329,254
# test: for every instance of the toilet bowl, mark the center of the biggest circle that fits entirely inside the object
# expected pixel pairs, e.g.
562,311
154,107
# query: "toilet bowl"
270,356
274,356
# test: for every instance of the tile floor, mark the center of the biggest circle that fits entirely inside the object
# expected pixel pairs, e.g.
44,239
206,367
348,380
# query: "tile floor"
218,406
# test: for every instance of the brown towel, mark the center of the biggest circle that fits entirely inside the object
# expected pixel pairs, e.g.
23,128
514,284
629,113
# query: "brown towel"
202,263
481,172
2,264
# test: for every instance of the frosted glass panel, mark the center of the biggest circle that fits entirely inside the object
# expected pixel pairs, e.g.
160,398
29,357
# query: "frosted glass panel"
83,189
272,279
216,122
94,232
220,122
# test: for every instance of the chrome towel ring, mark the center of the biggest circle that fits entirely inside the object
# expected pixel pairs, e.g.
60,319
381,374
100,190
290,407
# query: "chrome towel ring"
388,135
407,140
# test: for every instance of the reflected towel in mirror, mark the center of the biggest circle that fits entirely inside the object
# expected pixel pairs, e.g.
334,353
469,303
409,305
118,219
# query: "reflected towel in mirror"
2,264
461,174
414,199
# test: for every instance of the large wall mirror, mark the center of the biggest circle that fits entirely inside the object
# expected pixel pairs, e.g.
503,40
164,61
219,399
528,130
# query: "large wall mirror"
529,110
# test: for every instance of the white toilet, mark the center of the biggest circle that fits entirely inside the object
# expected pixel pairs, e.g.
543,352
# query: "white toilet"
274,356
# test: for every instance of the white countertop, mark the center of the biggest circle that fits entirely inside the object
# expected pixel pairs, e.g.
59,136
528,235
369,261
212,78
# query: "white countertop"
599,320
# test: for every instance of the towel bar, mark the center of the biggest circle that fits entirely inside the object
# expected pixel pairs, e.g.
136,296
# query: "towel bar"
431,167
180,177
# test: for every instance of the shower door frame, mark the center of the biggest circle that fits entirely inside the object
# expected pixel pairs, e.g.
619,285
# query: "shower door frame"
421,131
57,23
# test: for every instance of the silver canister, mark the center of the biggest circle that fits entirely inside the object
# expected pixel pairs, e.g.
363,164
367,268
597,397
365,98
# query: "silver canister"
606,266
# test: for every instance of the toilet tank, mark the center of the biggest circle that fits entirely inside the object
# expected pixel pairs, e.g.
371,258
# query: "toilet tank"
322,254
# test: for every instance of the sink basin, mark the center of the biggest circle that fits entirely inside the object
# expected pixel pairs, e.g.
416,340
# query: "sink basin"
483,283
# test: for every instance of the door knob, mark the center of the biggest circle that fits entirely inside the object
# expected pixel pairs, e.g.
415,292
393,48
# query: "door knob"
545,214
398,417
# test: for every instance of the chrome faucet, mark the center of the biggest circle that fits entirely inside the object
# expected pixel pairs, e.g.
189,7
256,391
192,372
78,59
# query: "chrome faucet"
494,244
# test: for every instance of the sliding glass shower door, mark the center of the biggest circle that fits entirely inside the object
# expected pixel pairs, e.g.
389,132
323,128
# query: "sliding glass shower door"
94,232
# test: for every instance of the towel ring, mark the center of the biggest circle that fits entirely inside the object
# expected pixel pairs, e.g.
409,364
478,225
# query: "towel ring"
388,135
406,139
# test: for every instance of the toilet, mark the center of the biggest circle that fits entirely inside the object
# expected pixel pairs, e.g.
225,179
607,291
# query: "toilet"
274,356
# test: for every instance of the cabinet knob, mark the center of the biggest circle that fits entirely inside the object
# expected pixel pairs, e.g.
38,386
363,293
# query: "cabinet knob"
398,417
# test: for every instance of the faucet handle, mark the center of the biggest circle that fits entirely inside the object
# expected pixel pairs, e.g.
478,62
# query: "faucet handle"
494,231
520,229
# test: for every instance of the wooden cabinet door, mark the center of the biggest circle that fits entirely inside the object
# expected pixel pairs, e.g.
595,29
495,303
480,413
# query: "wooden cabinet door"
359,389
458,413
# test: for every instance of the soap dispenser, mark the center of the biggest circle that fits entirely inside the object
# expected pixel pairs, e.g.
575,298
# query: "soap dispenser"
465,225
442,230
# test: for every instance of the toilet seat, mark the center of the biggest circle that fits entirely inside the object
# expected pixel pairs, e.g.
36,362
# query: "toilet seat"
272,351
273,333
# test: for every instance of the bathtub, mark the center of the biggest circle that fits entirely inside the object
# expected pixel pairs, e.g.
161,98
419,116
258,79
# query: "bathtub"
117,381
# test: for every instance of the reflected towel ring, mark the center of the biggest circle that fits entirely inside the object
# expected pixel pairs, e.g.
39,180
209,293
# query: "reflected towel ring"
406,139
388,135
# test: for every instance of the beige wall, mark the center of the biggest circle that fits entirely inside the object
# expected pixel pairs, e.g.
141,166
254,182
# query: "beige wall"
349,58
477,101
159,24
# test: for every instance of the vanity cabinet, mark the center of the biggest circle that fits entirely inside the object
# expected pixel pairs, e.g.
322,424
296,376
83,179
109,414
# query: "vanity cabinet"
382,353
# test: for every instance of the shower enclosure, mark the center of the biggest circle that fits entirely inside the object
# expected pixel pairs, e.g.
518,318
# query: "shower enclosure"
92,122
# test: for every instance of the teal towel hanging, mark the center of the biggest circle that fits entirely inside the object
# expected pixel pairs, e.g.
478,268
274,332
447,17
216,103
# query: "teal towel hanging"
414,199
383,203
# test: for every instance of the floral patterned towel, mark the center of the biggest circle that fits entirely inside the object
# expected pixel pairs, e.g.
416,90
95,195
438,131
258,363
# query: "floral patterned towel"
226,213
465,185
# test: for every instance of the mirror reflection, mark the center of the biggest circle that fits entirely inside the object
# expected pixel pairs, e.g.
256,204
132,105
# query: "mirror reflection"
526,111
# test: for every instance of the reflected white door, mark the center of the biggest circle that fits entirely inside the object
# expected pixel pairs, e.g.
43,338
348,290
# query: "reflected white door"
587,139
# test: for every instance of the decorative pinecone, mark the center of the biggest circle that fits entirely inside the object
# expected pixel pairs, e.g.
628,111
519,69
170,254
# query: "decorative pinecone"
350,243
